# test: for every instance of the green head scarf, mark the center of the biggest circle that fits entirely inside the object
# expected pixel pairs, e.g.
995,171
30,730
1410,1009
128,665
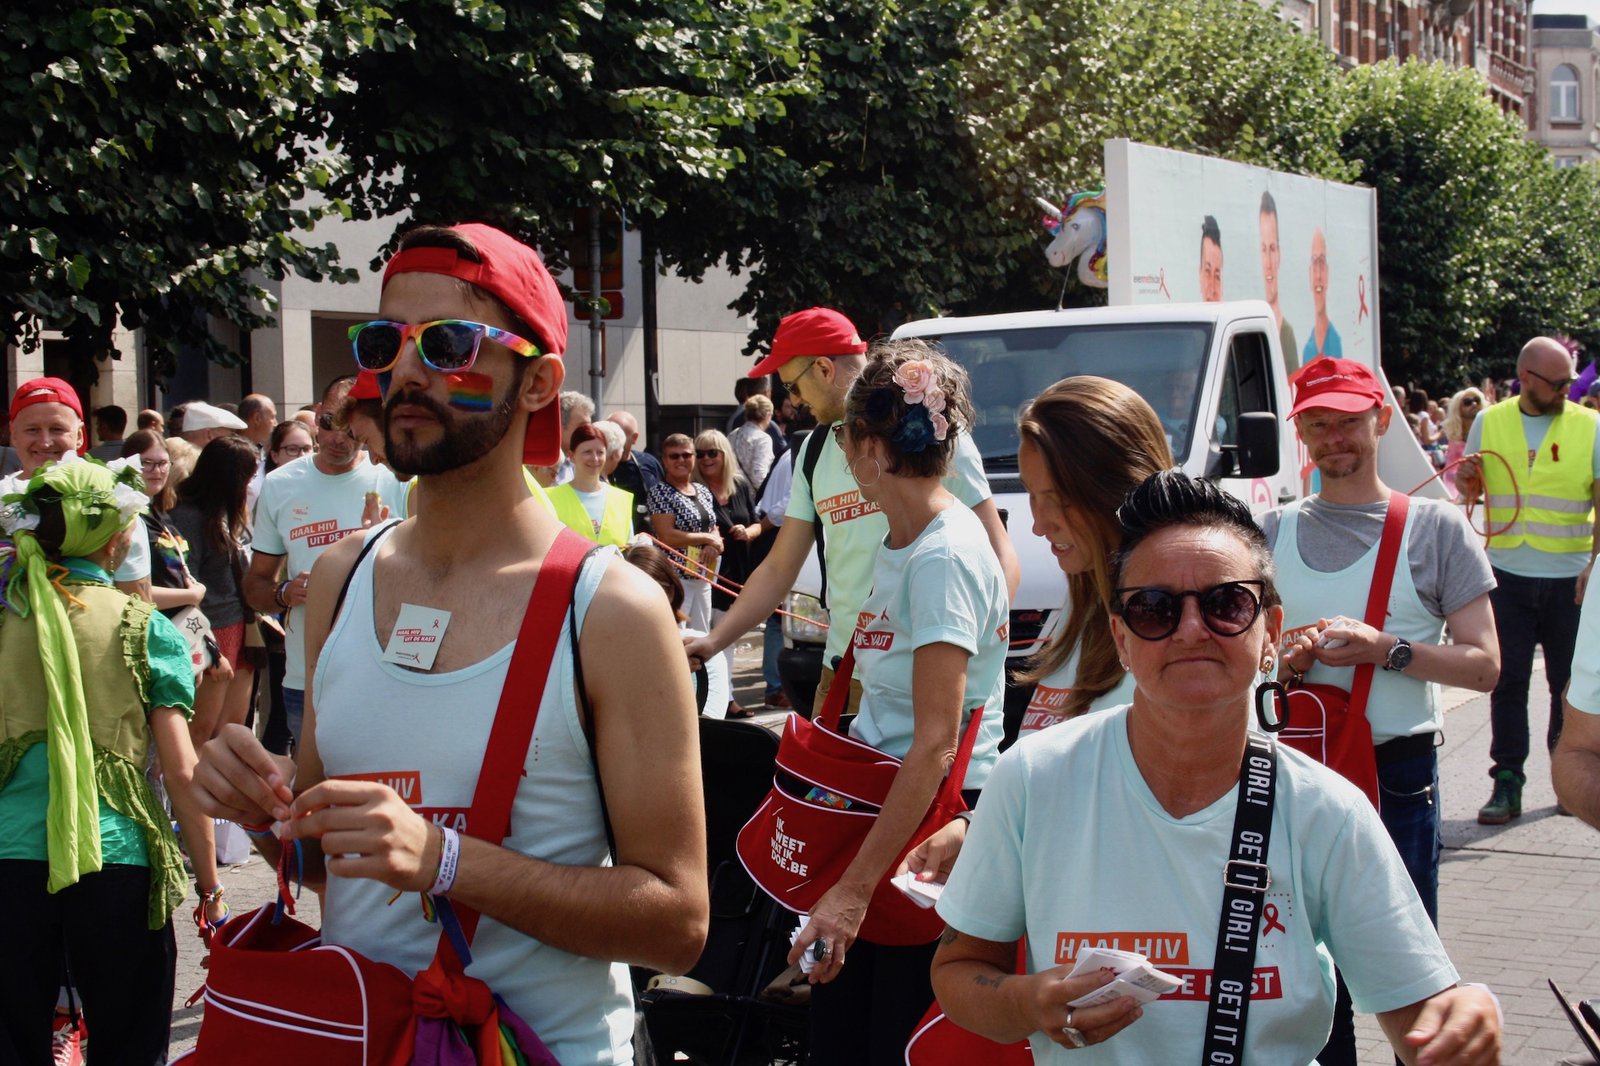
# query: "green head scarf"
96,502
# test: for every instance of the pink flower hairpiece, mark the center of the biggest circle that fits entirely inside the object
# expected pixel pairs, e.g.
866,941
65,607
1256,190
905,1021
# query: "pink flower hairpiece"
918,381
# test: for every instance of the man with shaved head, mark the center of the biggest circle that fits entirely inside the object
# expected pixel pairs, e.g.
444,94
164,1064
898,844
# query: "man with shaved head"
1541,501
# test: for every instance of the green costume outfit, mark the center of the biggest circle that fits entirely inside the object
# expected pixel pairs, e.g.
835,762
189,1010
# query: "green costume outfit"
84,664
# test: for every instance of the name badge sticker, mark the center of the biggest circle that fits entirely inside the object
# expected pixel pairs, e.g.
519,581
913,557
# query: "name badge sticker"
418,632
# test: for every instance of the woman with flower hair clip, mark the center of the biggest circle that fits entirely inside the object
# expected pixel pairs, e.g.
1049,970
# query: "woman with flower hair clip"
930,645
89,869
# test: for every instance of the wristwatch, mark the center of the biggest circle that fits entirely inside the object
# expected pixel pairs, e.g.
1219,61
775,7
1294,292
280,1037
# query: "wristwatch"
1399,656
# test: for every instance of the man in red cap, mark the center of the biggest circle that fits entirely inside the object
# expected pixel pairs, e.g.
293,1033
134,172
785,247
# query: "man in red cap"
467,352
1325,549
47,427
818,354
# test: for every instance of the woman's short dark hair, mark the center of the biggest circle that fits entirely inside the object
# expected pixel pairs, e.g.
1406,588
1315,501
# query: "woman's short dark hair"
1171,498
876,407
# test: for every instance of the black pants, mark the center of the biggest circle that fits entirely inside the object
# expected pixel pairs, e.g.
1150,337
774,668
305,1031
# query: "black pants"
1529,611
123,971
864,1016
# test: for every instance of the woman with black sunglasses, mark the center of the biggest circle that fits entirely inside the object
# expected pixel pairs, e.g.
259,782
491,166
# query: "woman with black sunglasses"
1119,829
684,514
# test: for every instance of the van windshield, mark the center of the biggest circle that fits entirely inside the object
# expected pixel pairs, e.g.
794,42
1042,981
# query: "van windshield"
1163,362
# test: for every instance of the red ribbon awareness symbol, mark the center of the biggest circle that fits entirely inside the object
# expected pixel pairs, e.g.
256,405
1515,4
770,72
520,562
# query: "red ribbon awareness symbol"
1161,283
1270,914
1361,294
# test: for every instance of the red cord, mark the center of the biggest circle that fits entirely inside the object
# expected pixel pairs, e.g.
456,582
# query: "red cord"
1472,504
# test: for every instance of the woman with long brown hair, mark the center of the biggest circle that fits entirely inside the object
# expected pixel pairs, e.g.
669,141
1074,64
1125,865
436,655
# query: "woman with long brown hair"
211,515
1085,443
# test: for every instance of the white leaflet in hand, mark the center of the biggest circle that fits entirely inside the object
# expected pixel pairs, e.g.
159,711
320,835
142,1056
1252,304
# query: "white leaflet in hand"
1136,978
923,893
807,963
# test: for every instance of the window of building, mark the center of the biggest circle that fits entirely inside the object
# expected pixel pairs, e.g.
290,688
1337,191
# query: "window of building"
1564,161
1564,94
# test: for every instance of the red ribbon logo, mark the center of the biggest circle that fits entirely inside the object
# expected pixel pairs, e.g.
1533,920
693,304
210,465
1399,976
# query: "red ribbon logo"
1269,914
1361,294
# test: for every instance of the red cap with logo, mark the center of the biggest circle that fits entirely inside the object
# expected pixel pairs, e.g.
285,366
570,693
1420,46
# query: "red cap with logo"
816,331
45,390
514,273
1336,384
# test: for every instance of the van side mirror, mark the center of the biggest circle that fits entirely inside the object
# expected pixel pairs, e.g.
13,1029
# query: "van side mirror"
1255,454
1258,444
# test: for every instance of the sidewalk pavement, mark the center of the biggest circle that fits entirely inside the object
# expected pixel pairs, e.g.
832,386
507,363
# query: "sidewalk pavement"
1516,901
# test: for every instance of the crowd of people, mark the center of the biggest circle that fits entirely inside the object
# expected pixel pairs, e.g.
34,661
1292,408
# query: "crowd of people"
375,570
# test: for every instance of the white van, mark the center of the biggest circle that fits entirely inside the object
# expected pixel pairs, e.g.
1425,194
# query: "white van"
1214,373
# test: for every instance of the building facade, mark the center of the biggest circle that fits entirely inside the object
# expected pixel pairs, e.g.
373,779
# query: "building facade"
1564,115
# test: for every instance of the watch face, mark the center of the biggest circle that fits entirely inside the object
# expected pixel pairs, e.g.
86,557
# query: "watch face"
1399,656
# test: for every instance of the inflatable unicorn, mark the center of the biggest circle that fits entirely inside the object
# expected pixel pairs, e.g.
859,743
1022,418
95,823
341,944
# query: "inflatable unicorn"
1079,229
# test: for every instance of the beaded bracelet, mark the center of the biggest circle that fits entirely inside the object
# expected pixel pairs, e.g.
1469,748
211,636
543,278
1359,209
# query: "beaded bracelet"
278,594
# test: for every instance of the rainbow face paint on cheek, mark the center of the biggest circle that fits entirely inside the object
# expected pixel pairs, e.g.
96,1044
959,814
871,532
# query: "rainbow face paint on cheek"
470,391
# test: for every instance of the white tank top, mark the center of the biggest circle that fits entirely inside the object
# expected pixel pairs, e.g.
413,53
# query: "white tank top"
424,735
1398,706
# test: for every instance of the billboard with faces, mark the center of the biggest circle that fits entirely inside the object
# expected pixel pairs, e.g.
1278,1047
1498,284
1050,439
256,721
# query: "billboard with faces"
1184,227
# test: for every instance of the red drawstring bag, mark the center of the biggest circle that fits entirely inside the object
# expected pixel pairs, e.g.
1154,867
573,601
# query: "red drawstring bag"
825,796
1330,724
275,993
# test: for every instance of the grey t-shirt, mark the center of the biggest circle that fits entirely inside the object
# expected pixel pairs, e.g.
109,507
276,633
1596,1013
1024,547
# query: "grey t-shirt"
1448,564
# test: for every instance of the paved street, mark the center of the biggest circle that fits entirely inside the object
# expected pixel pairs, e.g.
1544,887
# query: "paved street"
1516,901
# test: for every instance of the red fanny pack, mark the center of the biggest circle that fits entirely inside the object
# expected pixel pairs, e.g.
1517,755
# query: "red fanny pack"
275,993
1330,724
825,797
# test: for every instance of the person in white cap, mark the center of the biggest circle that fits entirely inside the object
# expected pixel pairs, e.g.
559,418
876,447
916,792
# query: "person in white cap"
204,423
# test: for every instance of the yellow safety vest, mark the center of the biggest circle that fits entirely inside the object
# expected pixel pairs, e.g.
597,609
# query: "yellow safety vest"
1557,489
616,520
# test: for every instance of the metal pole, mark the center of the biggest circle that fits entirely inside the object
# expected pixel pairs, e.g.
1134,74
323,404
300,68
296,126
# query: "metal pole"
596,321
652,347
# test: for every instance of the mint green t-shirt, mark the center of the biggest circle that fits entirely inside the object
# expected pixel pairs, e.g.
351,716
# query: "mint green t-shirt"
26,796
855,527
945,587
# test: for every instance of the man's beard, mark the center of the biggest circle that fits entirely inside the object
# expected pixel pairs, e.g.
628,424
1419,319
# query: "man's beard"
1550,406
466,439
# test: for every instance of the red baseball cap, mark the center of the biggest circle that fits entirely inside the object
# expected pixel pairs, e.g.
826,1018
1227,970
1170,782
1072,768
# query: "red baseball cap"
366,387
1336,384
817,331
45,390
516,276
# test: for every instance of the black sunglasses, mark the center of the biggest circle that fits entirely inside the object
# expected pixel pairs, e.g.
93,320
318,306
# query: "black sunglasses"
708,453
1560,386
1152,613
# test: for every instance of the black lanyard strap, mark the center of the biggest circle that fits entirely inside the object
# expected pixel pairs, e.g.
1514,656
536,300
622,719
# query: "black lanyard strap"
1245,880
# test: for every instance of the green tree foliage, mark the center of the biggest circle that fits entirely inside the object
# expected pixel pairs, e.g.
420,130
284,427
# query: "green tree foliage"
1550,274
518,113
154,165
867,196
1451,173
1047,82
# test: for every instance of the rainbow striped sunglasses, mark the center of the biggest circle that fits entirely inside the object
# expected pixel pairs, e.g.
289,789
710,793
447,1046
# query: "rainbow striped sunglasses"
448,345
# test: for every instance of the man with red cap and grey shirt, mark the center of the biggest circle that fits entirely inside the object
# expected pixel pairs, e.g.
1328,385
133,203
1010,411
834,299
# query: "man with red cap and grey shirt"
47,427
818,354
467,349
1325,547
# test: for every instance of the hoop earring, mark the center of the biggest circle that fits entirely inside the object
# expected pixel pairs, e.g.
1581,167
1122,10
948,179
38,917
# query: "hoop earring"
877,471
